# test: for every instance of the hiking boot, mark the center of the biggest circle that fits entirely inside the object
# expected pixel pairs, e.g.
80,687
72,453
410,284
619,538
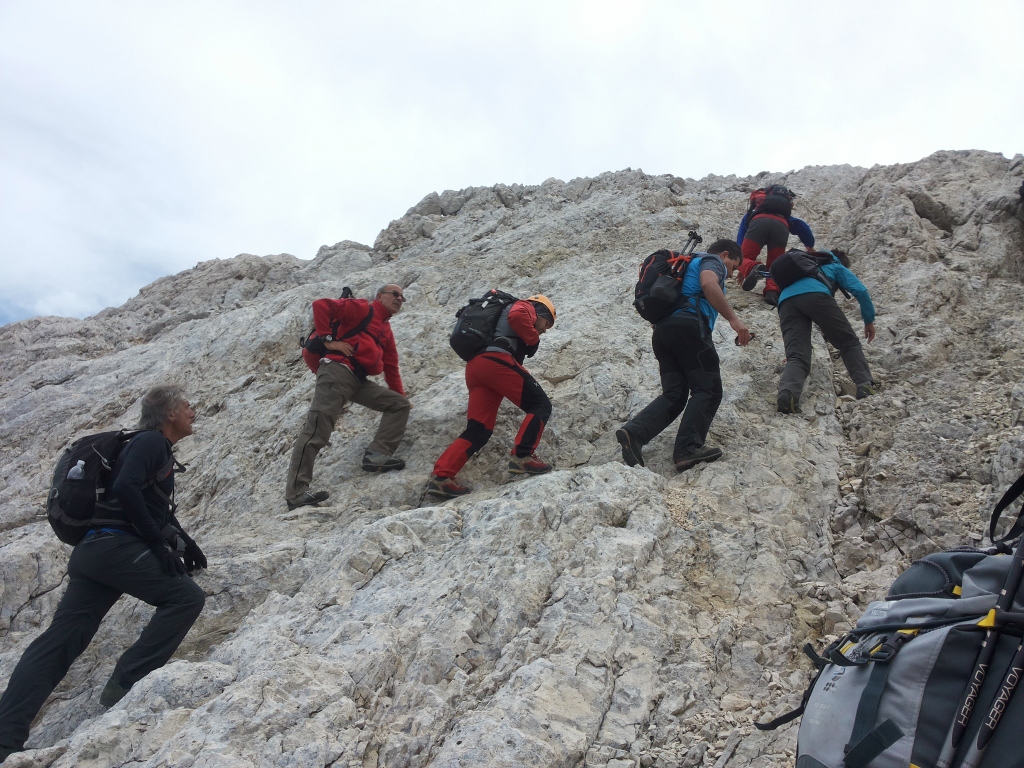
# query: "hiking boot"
688,460
755,275
528,465
866,390
630,448
446,487
112,693
374,461
308,499
771,298
787,403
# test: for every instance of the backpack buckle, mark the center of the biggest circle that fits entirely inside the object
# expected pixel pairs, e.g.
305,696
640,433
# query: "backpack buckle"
890,645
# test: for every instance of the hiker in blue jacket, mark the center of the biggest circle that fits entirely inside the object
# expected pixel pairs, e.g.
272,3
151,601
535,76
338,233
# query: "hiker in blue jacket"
809,300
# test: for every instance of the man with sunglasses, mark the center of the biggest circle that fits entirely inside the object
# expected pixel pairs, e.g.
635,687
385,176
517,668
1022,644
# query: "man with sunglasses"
358,343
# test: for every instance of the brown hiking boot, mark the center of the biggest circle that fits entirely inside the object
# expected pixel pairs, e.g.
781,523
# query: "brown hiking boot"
446,487
528,465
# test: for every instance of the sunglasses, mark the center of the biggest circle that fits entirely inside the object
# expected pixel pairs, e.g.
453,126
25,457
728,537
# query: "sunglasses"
396,294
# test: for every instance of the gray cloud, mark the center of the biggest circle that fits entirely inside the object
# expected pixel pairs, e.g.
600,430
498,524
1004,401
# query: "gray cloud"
139,139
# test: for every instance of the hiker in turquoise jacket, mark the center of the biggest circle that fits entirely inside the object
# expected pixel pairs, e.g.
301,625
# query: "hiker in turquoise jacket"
809,300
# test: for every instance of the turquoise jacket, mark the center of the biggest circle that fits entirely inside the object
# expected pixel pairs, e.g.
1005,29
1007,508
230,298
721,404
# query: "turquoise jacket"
843,277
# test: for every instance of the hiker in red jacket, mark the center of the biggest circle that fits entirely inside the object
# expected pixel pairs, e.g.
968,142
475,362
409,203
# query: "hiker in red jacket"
357,343
495,374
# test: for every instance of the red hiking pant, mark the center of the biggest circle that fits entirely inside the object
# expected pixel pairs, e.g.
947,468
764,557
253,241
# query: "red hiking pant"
492,377
772,231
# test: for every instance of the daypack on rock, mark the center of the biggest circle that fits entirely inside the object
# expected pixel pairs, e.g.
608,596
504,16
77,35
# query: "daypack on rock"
795,265
475,323
76,500
657,292
777,201
313,347
927,676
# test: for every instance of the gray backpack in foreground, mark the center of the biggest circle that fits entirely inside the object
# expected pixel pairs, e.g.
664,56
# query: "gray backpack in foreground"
927,677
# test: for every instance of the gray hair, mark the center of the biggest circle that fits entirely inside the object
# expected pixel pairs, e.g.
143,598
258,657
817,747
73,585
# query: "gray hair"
384,288
158,403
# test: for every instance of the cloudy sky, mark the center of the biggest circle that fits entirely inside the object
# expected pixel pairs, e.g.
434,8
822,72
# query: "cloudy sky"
137,139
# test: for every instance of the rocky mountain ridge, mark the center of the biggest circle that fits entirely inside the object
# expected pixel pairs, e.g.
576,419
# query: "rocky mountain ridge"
600,615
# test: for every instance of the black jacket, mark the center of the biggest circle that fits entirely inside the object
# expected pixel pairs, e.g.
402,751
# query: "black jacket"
144,505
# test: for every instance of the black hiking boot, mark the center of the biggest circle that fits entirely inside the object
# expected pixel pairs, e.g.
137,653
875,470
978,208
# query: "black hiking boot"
630,448
308,499
112,693
866,390
787,403
688,460
755,275
771,298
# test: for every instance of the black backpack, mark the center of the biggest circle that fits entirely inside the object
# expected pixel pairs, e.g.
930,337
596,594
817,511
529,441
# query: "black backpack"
657,292
795,265
76,499
475,324
778,201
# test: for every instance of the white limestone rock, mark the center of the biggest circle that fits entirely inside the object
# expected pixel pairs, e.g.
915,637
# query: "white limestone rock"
599,615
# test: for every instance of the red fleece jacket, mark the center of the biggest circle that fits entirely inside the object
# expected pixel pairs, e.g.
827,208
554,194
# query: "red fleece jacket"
374,348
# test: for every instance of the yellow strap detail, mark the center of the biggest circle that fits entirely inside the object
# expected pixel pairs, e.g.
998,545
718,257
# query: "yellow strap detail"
910,632
847,647
990,620
958,590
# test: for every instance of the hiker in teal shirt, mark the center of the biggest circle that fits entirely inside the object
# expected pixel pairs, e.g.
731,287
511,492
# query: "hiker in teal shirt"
809,300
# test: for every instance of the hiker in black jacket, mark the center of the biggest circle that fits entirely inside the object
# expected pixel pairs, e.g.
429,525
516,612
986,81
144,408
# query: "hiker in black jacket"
134,557
691,381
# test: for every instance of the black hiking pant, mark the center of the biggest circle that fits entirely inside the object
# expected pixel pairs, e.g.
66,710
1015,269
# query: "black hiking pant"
102,568
691,384
795,317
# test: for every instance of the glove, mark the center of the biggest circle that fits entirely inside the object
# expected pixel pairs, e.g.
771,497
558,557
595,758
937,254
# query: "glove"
170,562
194,557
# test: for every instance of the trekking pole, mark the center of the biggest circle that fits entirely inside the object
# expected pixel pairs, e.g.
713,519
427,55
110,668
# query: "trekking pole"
969,698
692,241
988,648
995,713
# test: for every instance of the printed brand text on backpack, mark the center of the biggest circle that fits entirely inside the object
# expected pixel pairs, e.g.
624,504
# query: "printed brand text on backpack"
927,676
657,292
474,328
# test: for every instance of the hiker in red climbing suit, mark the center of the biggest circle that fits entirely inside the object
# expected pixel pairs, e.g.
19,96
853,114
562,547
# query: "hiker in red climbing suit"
769,222
495,374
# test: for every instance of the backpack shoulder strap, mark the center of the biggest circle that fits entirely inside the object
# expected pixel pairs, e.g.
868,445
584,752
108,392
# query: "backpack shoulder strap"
363,325
1012,494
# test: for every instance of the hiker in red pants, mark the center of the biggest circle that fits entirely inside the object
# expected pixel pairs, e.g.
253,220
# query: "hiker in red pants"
769,222
495,374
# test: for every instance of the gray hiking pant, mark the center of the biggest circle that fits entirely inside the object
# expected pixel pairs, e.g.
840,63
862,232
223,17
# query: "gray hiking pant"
795,316
102,568
336,385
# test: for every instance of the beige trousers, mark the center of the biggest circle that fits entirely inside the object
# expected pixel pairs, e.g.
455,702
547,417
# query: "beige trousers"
336,385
